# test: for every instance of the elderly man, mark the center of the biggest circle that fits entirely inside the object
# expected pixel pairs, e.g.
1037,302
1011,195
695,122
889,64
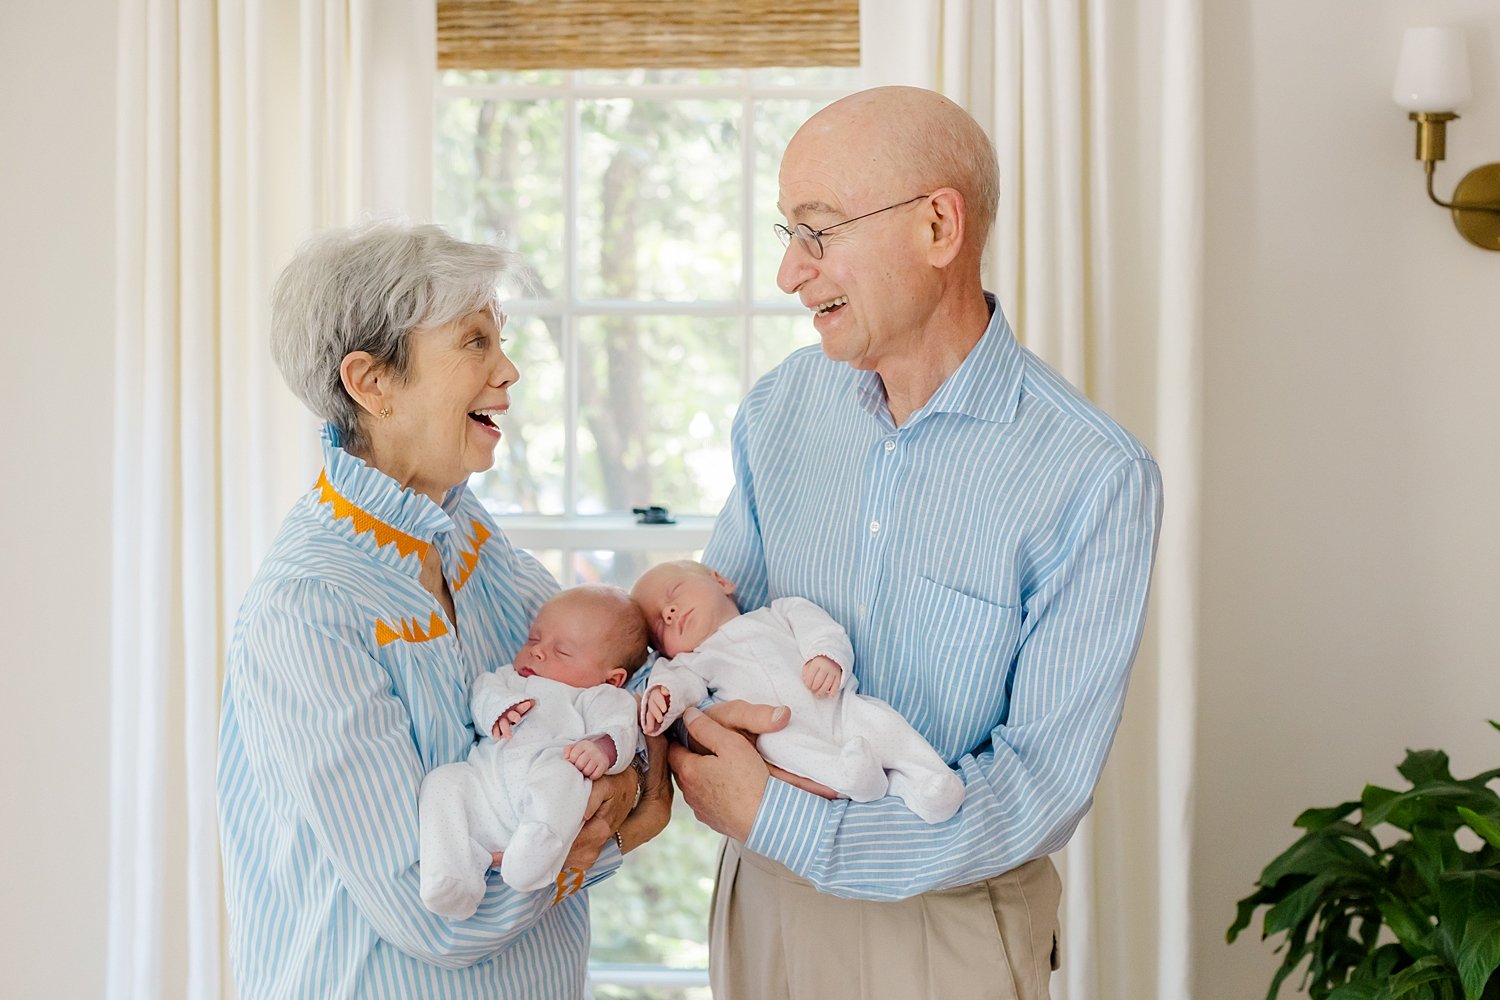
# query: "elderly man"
983,532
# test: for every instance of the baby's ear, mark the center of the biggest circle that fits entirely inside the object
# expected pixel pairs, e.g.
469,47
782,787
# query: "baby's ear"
724,582
616,677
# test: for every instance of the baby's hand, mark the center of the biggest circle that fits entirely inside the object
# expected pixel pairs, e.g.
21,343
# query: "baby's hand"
589,758
654,710
821,675
511,718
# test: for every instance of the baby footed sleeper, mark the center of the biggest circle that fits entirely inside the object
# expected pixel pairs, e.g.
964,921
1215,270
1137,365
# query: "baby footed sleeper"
518,795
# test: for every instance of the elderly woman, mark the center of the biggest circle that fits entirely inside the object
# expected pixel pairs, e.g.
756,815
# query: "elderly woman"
387,591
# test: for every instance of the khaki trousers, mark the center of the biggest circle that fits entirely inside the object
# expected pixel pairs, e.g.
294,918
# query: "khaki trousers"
772,936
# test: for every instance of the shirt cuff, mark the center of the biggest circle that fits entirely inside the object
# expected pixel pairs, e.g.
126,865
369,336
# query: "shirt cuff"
607,864
789,825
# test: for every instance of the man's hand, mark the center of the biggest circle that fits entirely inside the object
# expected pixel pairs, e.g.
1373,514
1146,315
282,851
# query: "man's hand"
654,710
511,718
589,758
822,676
751,720
724,785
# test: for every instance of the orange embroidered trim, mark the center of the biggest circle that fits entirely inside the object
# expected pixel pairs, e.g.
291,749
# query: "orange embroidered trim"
569,881
410,630
471,556
365,521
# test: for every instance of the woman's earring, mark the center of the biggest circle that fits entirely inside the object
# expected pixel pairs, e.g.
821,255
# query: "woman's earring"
385,411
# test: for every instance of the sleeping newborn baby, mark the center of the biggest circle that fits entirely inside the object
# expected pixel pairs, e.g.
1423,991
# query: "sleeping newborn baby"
549,724
790,653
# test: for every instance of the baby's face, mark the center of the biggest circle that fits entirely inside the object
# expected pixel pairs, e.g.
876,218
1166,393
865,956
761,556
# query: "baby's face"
683,606
566,644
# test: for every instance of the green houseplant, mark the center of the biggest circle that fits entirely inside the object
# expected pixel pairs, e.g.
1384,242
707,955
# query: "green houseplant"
1380,896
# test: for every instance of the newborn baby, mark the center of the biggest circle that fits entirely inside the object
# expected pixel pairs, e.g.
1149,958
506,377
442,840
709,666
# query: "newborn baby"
790,653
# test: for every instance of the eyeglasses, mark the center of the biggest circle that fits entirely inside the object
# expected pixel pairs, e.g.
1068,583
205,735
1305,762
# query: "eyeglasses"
812,239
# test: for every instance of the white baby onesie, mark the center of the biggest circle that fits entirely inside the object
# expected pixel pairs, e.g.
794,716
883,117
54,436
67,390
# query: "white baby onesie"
520,795
857,745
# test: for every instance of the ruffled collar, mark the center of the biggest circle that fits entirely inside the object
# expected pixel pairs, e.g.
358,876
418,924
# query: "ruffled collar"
373,502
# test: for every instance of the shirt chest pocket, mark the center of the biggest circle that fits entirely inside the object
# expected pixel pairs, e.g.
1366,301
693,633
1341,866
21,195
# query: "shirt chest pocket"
966,649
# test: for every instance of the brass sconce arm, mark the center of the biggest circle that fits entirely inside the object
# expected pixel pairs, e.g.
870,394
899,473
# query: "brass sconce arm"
1457,206
1476,199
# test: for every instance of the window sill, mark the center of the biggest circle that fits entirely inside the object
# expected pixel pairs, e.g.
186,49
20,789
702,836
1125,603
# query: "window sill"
647,976
605,532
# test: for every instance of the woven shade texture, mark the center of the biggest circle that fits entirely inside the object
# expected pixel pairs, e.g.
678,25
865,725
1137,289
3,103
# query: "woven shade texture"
653,34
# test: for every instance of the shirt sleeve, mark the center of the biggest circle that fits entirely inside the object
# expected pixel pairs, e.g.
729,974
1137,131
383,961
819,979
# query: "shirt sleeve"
323,723
493,693
817,634
1025,791
685,685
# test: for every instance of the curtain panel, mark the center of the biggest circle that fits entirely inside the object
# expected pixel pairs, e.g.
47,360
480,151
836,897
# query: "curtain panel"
242,128
1096,112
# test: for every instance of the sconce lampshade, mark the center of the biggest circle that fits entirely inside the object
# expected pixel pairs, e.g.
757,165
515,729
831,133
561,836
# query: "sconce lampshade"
1433,72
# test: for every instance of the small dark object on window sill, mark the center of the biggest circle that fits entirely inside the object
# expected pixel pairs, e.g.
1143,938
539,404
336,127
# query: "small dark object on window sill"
652,515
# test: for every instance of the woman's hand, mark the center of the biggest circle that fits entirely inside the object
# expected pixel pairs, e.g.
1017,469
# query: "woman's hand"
654,811
609,803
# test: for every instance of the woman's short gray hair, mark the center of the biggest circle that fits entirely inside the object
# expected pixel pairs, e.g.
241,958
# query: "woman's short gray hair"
366,288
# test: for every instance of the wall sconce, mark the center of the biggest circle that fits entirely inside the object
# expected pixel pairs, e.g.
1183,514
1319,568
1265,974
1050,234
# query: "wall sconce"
1432,81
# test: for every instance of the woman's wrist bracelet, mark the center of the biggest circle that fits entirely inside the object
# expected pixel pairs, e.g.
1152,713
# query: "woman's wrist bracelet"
619,843
638,765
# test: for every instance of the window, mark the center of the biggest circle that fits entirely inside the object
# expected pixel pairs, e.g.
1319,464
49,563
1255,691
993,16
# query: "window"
643,202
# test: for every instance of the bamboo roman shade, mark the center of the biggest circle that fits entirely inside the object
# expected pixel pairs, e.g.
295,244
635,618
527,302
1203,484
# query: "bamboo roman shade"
655,34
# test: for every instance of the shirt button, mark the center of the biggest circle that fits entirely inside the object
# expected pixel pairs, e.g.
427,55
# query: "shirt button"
890,446
874,527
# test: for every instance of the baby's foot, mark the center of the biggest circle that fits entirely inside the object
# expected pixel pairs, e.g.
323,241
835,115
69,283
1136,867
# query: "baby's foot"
533,857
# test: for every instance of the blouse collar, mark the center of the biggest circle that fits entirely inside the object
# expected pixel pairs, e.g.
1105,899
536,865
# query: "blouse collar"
374,502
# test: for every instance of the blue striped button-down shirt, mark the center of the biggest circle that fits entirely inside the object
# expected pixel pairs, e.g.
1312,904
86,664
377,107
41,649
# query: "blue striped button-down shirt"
344,686
990,559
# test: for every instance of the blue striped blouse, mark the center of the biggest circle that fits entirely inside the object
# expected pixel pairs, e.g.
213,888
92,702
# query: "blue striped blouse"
344,686
990,559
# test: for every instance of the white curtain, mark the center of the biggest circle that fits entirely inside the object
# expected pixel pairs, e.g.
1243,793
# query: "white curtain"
1096,111
244,125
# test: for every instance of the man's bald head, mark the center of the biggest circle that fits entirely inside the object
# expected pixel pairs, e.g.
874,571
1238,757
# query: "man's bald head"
908,141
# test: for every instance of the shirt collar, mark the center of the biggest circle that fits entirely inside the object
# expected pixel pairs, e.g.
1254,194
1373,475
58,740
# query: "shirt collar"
986,385
375,503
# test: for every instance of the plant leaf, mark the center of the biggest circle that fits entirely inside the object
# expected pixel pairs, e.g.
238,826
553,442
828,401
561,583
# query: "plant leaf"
1317,819
1245,909
1479,954
1299,905
1356,991
1431,804
1412,927
1426,970
1421,766
1485,826
1315,853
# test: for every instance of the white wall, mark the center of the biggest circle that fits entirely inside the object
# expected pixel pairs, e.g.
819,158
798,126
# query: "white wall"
1352,363
1352,394
57,64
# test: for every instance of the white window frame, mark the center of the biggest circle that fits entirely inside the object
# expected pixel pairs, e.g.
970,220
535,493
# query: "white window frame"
571,531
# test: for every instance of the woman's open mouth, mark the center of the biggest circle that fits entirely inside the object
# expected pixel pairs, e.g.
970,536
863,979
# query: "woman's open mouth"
486,418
